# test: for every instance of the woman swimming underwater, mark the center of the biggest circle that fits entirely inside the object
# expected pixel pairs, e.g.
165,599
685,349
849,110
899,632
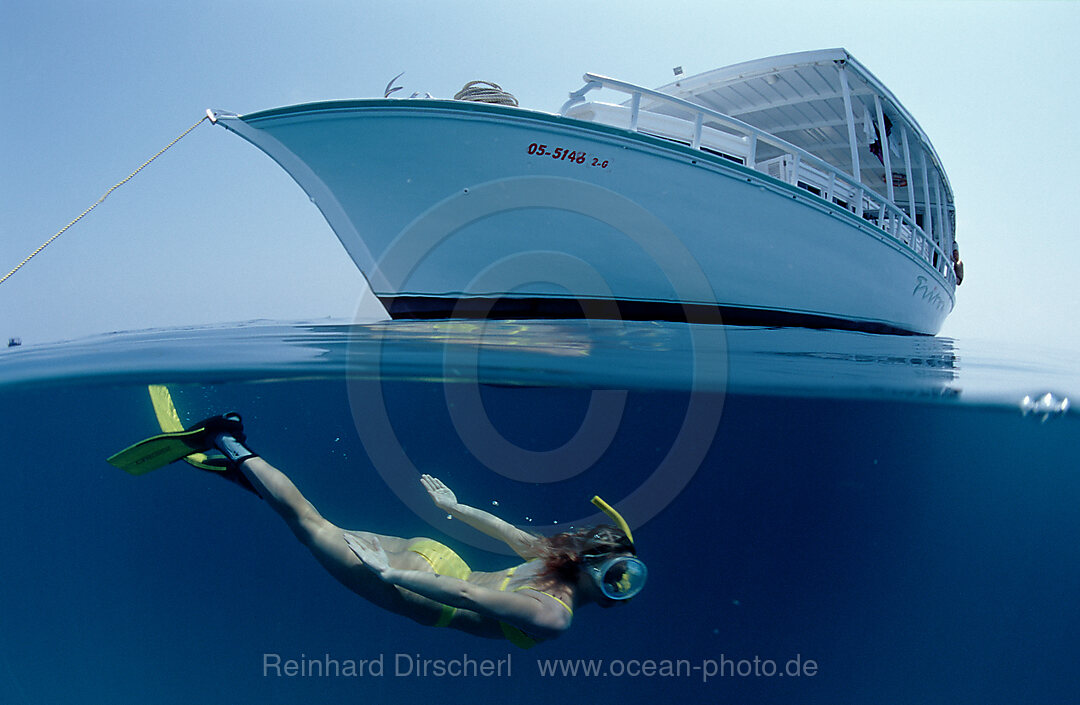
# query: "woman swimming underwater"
421,578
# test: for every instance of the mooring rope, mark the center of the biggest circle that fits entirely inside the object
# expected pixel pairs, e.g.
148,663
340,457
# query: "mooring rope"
102,199
485,92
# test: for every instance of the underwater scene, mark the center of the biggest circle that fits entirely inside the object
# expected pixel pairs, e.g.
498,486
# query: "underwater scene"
826,516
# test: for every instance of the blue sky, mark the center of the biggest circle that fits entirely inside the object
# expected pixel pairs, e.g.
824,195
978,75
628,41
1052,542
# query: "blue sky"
214,231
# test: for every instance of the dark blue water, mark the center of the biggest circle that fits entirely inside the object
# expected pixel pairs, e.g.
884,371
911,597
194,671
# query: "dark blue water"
879,519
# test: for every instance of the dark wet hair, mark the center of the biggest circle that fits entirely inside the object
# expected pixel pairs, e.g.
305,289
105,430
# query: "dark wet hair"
566,553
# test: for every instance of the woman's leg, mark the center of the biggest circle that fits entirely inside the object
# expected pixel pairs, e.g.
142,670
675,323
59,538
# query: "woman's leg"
326,540
322,538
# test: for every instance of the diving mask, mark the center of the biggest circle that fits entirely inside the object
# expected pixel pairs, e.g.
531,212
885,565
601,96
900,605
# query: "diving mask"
619,577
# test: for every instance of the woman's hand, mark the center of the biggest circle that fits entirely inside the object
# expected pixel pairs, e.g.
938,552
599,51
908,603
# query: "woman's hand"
441,495
370,552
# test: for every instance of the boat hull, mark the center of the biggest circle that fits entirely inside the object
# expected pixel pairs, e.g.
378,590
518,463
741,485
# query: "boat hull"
452,208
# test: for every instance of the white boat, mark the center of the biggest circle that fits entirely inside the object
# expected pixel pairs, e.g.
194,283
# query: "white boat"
794,190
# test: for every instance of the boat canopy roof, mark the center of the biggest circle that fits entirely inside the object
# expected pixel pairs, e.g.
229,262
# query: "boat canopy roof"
800,98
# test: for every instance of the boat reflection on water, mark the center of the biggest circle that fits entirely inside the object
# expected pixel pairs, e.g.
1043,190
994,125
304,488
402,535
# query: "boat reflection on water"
574,353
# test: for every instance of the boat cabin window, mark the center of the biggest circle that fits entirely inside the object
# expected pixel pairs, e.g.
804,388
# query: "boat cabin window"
734,148
729,157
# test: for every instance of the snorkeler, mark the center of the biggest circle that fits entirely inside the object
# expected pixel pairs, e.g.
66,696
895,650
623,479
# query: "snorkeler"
421,578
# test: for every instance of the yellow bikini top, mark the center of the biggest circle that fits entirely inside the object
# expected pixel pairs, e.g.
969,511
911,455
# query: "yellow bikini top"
510,574
513,634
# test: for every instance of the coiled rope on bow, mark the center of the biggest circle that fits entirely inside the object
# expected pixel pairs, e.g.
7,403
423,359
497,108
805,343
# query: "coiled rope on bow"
102,199
485,92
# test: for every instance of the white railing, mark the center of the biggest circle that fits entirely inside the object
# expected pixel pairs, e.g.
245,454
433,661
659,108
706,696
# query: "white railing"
841,189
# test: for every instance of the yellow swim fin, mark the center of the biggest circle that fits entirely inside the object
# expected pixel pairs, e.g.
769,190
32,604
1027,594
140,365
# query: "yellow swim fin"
169,420
176,443
158,451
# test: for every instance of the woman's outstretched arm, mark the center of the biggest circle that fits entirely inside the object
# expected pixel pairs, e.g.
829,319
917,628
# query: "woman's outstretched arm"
524,544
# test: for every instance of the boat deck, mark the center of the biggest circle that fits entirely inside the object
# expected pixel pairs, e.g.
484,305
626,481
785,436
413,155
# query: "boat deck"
814,120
